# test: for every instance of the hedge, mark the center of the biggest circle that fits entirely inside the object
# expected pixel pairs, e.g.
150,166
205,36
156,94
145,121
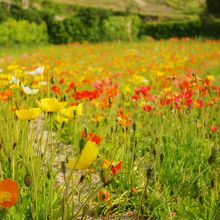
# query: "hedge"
206,27
22,32
124,28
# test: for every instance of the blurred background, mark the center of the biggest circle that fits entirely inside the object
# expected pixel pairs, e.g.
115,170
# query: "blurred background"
66,21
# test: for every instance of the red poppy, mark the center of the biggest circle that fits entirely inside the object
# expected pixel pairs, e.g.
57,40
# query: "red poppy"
91,137
214,128
72,85
61,81
116,168
9,192
56,90
143,90
198,103
147,108
123,119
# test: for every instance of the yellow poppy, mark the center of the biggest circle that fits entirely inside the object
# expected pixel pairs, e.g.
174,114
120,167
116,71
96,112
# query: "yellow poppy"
72,111
60,119
86,158
51,104
28,114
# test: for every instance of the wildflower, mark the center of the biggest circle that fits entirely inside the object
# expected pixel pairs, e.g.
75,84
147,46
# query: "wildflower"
214,128
97,118
147,108
104,195
142,90
14,80
56,90
28,114
51,104
114,166
29,91
198,103
123,119
60,119
39,70
72,111
92,137
4,96
9,192
61,81
88,155
134,190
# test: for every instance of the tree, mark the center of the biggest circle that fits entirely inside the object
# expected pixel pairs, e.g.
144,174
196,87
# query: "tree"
213,6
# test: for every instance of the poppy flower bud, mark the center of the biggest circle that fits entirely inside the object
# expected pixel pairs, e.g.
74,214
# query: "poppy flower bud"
134,127
27,180
82,143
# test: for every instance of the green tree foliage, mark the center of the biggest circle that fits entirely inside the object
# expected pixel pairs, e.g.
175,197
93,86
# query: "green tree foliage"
125,28
22,32
213,6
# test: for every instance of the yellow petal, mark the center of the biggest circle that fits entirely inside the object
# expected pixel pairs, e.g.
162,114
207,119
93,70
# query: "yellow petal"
51,104
60,119
28,114
72,111
86,158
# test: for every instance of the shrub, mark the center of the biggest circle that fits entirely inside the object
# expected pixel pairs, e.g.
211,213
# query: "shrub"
57,33
188,28
22,32
210,27
3,12
213,6
124,28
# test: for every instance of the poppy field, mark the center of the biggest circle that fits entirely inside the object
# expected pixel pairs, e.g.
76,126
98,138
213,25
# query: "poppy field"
111,131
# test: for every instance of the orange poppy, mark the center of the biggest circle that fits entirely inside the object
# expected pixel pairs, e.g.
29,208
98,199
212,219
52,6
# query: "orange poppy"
104,196
9,192
4,96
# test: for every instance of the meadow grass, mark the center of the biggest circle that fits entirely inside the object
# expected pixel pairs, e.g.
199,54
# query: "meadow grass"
152,109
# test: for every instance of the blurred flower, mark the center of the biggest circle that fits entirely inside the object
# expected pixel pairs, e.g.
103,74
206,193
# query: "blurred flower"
97,118
104,195
73,111
61,81
134,190
60,119
114,166
9,192
39,70
123,119
51,104
92,137
29,91
4,96
14,80
147,108
28,114
88,155
56,89
214,128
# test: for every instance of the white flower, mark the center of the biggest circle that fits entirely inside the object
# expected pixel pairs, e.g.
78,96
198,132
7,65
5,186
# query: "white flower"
15,80
29,91
44,83
1,70
38,71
